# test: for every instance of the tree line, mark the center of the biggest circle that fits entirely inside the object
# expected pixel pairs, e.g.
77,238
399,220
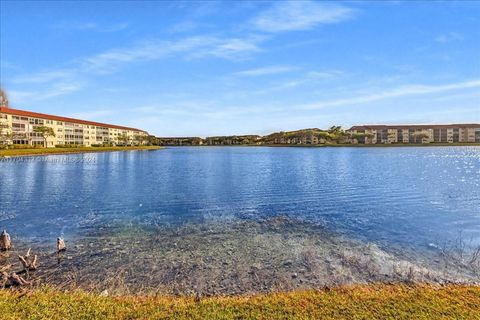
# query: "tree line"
333,135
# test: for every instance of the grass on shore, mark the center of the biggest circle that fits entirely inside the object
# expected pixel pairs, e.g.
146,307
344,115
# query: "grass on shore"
376,301
47,151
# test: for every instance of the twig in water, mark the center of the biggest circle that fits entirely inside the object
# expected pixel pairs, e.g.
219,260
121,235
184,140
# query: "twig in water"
28,262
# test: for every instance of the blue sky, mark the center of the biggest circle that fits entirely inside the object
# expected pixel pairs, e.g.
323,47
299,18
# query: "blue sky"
216,68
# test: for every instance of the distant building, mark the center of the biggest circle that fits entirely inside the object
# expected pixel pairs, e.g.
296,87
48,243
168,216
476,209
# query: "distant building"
451,133
20,125
311,136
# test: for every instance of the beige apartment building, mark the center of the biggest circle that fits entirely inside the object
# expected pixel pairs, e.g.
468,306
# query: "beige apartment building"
18,126
451,133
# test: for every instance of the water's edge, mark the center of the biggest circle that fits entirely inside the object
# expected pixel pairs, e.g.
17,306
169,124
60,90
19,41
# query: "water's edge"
232,257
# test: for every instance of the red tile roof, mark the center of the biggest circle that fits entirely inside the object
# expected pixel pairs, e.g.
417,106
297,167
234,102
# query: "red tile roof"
17,112
416,126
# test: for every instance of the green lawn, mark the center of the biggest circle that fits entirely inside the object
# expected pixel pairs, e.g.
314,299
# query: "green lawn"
356,302
47,151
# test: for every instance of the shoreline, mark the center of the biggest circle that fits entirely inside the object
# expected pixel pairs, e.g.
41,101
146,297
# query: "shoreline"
7,153
334,145
228,259
15,153
277,269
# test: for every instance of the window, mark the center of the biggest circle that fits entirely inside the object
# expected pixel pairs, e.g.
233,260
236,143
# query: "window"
35,121
18,126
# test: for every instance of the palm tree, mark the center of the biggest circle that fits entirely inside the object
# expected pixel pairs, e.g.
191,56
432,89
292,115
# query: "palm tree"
336,133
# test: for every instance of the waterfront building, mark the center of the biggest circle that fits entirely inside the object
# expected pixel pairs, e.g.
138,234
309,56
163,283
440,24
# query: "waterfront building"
304,136
387,134
19,128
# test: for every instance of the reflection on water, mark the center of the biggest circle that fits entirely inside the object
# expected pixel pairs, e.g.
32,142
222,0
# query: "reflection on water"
394,196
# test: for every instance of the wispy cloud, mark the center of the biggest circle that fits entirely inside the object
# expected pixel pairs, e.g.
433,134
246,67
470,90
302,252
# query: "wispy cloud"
266,71
324,74
300,15
91,26
305,79
228,48
66,80
191,47
43,77
403,91
449,37
45,92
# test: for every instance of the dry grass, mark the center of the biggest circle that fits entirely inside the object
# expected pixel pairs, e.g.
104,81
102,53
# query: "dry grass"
48,151
377,301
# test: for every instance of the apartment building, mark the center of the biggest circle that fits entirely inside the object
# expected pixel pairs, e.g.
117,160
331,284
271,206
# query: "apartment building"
19,125
451,133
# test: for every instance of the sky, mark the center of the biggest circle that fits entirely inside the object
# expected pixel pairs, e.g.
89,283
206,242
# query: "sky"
207,68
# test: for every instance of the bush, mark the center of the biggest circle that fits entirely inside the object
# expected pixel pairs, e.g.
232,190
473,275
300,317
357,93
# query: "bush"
96,145
69,146
24,146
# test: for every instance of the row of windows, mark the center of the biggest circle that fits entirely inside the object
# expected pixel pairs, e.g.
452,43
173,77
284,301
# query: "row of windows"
99,130
72,136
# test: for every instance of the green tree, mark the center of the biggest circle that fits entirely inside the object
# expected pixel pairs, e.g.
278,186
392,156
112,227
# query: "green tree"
138,138
4,132
337,134
323,135
418,137
45,132
123,138
152,140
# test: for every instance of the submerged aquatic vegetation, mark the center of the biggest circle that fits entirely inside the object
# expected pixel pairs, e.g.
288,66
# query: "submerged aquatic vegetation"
229,258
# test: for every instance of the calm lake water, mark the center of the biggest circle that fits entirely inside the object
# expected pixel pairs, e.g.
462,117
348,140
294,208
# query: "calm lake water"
404,196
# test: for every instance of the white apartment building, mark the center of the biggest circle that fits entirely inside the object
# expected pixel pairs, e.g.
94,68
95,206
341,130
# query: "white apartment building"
450,133
18,126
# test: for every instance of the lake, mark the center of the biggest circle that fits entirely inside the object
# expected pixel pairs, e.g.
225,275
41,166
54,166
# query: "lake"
245,220
409,196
